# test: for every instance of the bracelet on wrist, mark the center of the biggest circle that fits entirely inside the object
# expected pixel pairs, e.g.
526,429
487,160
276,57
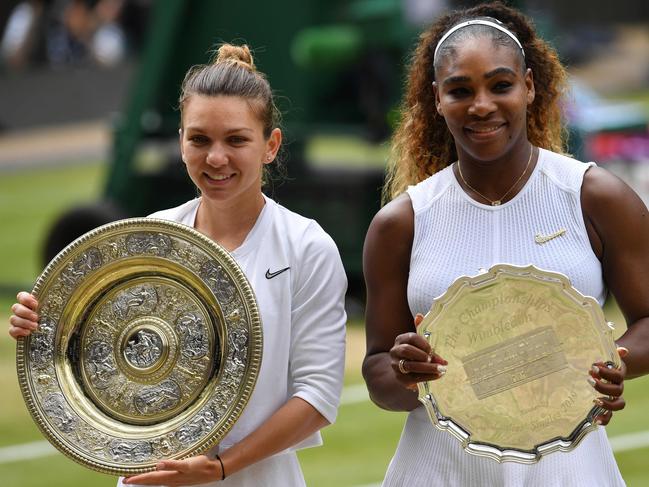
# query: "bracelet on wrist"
222,467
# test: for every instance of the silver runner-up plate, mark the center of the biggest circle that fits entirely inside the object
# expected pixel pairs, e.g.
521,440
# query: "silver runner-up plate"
519,342
148,348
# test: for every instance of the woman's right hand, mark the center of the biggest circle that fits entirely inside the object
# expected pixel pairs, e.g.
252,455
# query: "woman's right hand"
24,319
413,360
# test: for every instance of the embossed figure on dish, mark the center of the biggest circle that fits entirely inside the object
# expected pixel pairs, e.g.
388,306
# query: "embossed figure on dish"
157,399
196,428
195,344
78,268
57,410
100,364
144,349
213,274
130,451
149,243
141,299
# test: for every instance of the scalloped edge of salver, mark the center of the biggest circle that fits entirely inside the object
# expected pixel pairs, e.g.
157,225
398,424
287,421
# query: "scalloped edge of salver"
256,345
494,452
508,455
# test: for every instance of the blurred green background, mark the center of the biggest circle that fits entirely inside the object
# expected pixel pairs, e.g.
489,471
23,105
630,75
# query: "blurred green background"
83,119
357,448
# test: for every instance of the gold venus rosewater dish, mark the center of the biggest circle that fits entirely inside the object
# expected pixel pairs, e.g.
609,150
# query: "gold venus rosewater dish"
148,347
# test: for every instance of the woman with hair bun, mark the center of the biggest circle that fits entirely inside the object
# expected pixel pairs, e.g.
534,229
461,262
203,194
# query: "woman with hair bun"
477,171
228,135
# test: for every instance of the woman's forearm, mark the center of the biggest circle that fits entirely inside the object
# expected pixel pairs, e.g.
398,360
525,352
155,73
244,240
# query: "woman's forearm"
636,340
384,390
289,425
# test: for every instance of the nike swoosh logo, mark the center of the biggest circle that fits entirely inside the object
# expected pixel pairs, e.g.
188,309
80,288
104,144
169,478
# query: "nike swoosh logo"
270,275
541,239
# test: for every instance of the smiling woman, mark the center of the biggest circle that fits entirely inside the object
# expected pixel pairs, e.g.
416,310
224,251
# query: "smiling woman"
224,158
477,177
228,133
484,101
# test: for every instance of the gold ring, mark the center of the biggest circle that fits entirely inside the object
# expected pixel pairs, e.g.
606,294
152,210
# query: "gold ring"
401,366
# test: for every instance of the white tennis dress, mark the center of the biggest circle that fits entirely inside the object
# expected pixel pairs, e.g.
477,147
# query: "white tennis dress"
298,278
454,236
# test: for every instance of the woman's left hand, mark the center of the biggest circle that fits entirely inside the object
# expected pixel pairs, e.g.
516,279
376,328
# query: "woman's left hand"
610,382
192,471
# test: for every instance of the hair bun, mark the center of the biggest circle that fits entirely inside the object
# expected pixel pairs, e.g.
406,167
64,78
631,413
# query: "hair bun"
229,53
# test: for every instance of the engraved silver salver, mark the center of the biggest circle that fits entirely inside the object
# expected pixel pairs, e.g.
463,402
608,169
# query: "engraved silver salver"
148,348
519,343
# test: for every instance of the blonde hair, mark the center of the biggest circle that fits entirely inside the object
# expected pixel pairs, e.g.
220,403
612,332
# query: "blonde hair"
233,73
422,143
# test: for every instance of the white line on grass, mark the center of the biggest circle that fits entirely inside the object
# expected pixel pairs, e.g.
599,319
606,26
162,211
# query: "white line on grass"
351,395
26,451
619,444
629,441
354,394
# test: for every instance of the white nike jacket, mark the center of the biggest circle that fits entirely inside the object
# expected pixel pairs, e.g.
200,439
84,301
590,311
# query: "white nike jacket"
296,273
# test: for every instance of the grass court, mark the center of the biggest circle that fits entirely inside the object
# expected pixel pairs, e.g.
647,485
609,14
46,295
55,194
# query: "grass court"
357,448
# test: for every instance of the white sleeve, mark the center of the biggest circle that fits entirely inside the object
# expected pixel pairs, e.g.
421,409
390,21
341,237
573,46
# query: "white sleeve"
317,349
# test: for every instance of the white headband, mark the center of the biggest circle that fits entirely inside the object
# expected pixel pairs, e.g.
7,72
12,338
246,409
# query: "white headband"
477,22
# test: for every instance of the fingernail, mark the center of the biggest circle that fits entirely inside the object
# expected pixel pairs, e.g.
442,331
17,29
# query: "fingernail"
622,351
598,402
595,369
591,381
598,422
441,369
160,466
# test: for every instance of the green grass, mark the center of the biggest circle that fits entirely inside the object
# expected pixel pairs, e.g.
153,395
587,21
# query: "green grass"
29,201
15,423
633,465
53,471
357,448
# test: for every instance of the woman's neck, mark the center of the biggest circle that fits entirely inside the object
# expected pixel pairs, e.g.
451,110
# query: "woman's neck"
495,177
228,224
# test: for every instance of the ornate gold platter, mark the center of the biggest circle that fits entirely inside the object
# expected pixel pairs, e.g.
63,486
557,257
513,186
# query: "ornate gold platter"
519,343
149,346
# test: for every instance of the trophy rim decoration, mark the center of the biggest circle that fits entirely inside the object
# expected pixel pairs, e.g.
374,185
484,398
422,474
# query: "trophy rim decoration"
248,325
444,421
